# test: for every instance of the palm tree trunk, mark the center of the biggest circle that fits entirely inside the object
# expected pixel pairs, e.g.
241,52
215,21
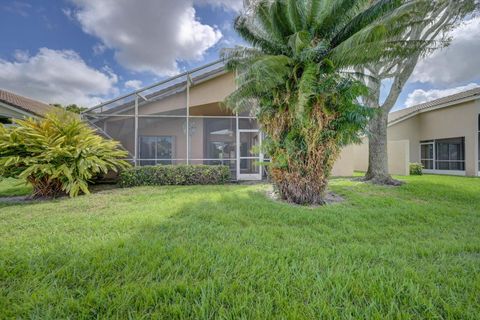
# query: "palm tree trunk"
303,190
45,188
303,179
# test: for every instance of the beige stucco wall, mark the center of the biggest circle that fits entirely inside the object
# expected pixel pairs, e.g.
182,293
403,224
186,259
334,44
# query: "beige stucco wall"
213,90
398,157
344,166
460,120
360,154
407,130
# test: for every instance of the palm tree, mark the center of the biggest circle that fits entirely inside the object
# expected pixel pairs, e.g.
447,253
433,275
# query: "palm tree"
297,74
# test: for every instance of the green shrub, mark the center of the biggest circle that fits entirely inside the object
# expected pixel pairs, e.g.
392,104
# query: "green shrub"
416,169
174,175
59,154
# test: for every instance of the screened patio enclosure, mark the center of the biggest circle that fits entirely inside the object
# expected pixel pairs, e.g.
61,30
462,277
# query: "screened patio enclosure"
182,121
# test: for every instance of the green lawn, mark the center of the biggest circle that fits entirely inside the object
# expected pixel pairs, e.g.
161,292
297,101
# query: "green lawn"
12,187
229,252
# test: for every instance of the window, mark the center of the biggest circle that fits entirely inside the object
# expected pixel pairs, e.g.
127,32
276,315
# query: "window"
443,155
219,136
450,154
155,150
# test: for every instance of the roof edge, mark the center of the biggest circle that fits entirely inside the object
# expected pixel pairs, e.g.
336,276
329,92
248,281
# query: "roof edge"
432,108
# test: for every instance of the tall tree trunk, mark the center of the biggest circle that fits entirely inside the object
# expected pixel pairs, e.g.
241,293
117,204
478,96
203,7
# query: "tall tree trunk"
378,151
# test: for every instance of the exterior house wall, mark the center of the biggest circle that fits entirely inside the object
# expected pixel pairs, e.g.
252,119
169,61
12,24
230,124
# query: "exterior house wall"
407,130
212,91
344,166
398,157
202,96
456,121
453,122
360,154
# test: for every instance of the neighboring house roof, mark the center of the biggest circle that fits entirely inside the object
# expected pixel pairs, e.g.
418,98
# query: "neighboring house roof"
444,102
24,104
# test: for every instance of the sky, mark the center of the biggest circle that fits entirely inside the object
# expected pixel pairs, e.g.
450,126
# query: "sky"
89,51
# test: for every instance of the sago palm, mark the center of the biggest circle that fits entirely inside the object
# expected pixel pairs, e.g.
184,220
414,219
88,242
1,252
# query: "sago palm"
296,74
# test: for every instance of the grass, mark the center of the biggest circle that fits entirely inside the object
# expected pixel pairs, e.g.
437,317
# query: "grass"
12,187
229,252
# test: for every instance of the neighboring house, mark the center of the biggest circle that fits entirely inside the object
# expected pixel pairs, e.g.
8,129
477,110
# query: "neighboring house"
14,106
182,120
443,135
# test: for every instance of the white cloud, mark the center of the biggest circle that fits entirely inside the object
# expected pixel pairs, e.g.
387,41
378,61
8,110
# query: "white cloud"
150,35
21,55
99,49
456,64
68,13
57,77
18,7
420,96
235,5
133,84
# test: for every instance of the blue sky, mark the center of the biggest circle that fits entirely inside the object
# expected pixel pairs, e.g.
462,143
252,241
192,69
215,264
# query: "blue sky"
87,51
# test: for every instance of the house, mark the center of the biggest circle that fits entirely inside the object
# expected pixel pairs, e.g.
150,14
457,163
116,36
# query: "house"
14,106
443,135
182,120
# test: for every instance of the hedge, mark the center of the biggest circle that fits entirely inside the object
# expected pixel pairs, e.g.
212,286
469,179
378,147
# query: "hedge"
416,169
175,175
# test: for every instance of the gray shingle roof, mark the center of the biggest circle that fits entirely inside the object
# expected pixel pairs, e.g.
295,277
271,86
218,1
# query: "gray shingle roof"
25,104
442,102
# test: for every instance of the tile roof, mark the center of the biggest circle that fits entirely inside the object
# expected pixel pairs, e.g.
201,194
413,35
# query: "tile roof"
25,104
442,102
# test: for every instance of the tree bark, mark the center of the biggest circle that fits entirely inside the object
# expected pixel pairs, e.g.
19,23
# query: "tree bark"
378,151
300,171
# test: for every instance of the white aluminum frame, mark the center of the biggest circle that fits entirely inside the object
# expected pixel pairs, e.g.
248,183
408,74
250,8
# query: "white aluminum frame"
249,176
433,159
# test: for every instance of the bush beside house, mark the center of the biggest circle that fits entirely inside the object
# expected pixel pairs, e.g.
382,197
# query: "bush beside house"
416,169
59,154
174,175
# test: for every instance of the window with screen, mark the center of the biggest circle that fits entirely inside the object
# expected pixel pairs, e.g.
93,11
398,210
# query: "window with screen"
450,154
443,154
